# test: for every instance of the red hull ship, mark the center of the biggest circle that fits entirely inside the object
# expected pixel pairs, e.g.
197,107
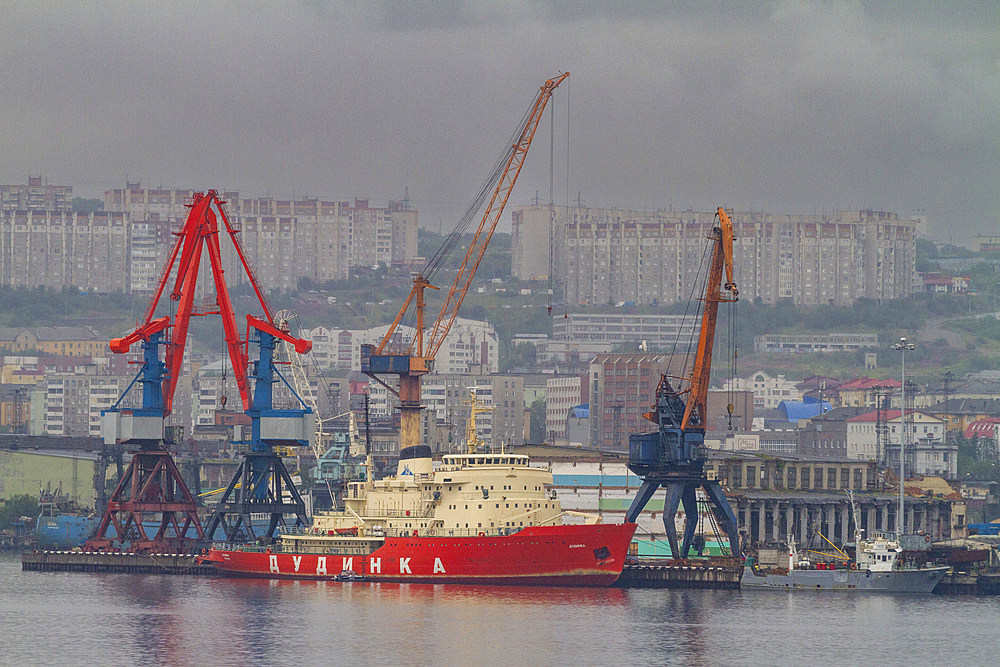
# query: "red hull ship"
476,519
567,555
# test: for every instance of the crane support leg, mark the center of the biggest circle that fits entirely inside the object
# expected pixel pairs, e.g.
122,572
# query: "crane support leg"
151,493
674,492
718,498
690,500
261,485
646,492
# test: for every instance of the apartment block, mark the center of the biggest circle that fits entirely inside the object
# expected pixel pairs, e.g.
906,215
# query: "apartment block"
125,247
61,249
622,387
610,256
37,195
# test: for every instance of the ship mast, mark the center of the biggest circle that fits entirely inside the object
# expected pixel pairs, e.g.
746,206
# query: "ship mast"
476,408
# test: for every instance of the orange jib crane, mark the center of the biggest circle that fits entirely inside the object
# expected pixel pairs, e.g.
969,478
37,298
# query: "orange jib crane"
673,456
695,412
413,358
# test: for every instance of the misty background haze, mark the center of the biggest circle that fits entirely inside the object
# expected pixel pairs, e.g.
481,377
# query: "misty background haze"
789,106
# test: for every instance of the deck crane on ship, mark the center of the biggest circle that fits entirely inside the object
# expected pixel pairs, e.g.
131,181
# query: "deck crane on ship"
412,359
673,456
152,487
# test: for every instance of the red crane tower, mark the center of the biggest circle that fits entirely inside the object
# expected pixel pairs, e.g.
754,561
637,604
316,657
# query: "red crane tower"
151,493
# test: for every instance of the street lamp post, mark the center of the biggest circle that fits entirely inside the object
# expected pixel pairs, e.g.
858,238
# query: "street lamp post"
903,345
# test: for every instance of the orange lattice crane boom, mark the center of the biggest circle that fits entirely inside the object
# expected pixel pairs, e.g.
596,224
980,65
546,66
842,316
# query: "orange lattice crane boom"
722,261
417,358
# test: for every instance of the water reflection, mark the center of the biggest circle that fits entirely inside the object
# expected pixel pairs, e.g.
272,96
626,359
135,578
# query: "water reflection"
129,619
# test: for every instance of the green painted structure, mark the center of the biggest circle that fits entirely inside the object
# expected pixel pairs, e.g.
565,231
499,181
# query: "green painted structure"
23,472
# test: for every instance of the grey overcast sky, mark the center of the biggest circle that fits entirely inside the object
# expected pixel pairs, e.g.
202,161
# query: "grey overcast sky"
793,106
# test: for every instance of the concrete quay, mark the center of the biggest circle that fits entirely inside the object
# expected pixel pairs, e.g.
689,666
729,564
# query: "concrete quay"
79,561
715,574
962,583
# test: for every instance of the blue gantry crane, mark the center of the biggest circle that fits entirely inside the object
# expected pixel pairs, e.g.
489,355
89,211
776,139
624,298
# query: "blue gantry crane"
262,484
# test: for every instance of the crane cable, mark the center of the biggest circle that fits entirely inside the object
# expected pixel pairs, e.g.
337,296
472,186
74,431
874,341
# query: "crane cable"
454,238
487,187
697,287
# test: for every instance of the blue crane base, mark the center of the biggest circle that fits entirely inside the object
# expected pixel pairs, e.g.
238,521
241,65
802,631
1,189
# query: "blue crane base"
261,485
681,487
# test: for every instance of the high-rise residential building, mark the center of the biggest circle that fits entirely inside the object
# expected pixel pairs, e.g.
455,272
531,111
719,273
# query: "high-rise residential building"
124,247
141,203
61,249
325,239
74,401
37,195
614,256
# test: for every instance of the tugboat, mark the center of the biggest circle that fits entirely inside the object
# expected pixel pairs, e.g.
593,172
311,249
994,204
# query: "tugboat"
478,518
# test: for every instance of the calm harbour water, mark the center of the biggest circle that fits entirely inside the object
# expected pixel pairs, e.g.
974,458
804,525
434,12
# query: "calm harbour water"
118,619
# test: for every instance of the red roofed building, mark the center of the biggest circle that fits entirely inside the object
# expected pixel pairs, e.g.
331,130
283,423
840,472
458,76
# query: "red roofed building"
983,428
941,284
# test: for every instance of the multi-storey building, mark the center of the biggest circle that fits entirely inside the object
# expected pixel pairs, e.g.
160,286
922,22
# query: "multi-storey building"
143,203
562,394
447,398
661,331
103,392
863,391
63,341
325,239
61,249
608,256
151,242
622,387
834,342
927,452
768,391
37,195
124,247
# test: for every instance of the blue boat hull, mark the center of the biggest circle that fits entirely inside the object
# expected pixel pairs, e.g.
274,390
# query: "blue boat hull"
65,531
68,531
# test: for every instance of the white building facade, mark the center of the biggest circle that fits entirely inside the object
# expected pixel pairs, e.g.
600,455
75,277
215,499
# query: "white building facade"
768,391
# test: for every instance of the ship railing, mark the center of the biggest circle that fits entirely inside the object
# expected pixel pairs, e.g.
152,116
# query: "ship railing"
245,546
342,549
406,514
454,532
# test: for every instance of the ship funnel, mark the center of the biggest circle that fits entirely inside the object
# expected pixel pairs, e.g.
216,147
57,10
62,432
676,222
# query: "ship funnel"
415,460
